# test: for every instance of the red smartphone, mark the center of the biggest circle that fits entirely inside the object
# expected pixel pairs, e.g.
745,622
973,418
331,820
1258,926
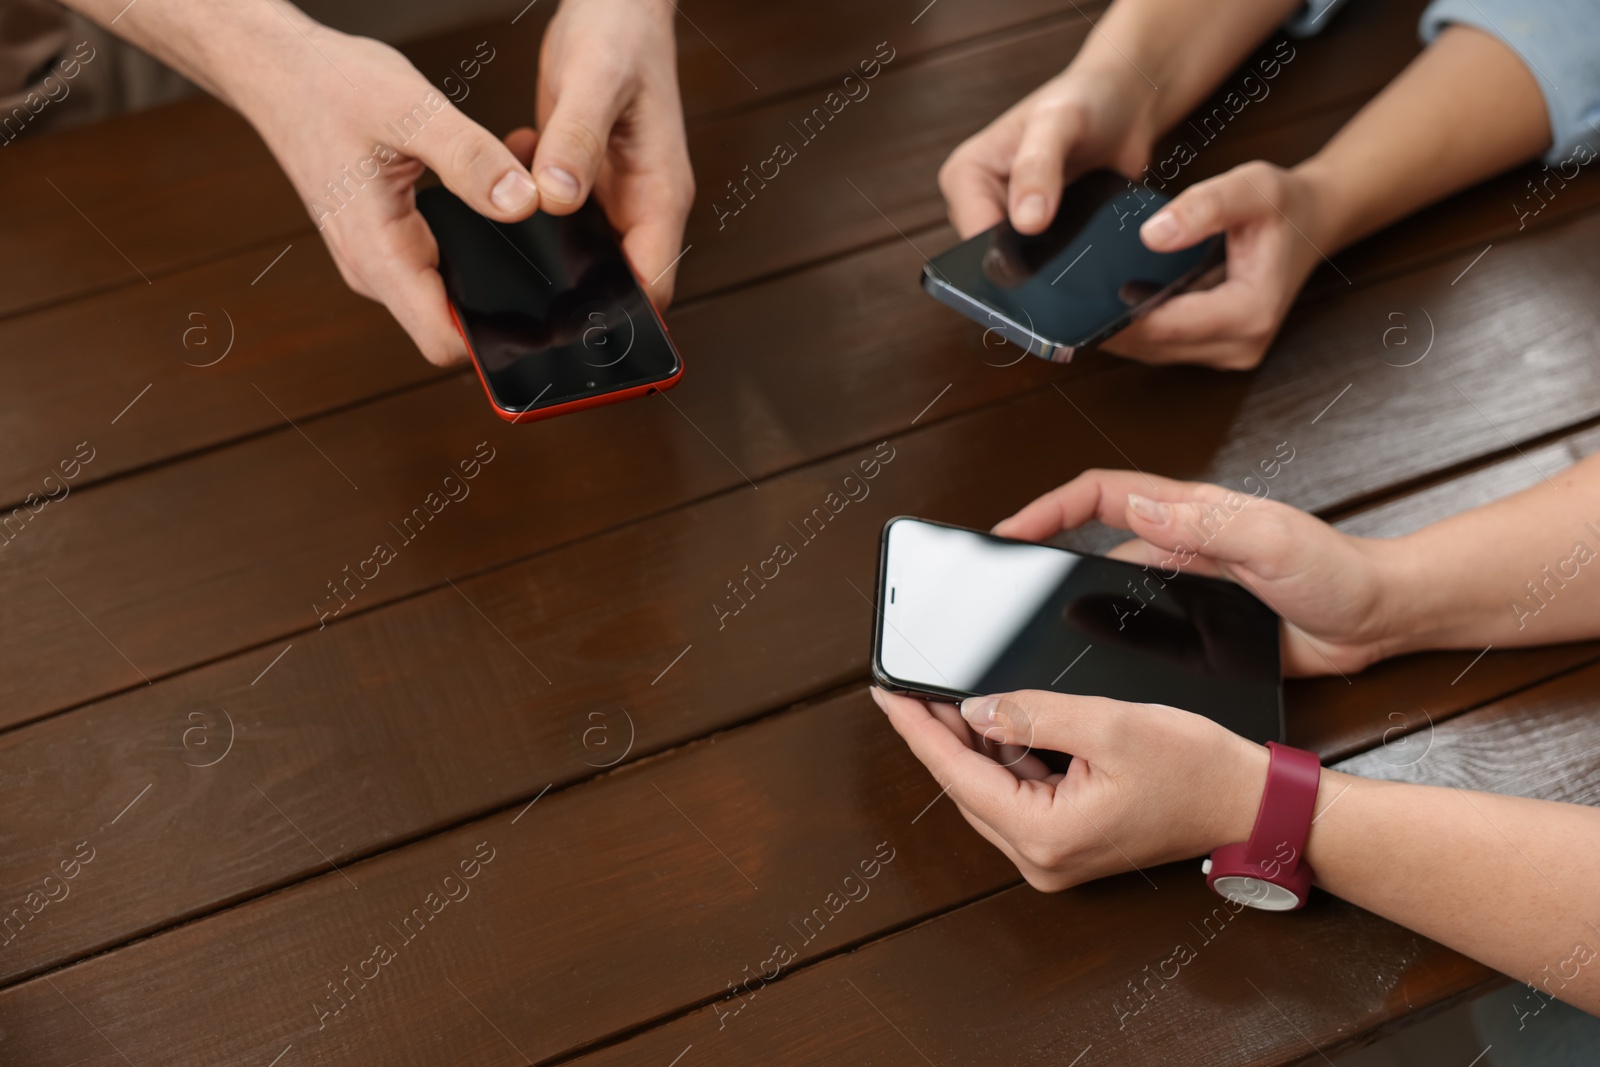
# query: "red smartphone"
550,309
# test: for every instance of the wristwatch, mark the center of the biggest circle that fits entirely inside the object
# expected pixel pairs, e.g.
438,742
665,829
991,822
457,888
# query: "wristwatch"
1269,871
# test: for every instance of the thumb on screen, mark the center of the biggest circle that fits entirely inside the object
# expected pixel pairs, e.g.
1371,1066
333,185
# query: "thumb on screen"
476,166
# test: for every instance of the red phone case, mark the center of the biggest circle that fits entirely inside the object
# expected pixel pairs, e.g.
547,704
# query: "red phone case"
583,402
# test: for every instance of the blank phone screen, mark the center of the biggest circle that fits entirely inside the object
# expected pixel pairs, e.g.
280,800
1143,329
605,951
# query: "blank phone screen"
967,613
549,305
1084,277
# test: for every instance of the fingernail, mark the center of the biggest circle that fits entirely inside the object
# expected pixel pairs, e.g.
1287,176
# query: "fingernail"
558,184
1147,509
1030,211
877,697
980,711
513,192
1160,230
996,712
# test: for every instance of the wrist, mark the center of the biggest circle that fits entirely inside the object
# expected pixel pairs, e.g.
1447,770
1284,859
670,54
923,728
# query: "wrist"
1337,207
1102,75
664,10
1243,781
1331,789
1428,605
1403,596
256,54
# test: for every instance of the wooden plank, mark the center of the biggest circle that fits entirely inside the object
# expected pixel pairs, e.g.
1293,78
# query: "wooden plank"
289,503
169,321
180,206
1337,718
842,174
571,898
170,595
730,55
213,190
652,645
568,940
201,357
1063,964
1488,214
338,347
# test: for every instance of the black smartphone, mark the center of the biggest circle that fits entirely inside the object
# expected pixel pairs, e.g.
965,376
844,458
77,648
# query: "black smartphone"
1081,280
965,613
550,309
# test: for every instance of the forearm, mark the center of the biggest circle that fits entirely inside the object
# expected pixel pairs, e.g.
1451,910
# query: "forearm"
1177,50
232,50
1511,882
1465,109
1524,570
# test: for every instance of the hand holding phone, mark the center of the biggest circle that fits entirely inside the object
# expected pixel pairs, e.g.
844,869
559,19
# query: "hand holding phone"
1146,786
1085,277
963,613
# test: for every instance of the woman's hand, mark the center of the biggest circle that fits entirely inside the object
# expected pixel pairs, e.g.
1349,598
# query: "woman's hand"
1085,117
1272,219
1147,784
1336,593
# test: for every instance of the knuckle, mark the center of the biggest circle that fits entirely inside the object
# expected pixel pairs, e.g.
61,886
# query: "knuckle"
1044,882
1057,109
582,144
1200,207
468,153
1259,325
1038,855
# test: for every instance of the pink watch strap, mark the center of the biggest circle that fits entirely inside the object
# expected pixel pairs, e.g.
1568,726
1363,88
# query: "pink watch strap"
1287,805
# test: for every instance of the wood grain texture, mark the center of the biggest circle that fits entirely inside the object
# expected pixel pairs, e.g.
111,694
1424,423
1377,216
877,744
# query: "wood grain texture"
588,900
568,922
193,182
168,595
731,55
561,628
338,340
1336,717
523,675
843,174
1055,971
337,348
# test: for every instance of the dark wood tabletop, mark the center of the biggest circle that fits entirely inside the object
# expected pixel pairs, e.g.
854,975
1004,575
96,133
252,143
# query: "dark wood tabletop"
523,799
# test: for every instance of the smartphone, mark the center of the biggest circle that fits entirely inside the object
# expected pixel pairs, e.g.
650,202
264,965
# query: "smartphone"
965,613
1081,280
551,311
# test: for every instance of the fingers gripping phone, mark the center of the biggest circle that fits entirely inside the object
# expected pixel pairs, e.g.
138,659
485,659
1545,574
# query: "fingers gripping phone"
1085,277
550,309
963,613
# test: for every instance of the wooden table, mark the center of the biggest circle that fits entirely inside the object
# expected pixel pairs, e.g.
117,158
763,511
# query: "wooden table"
584,822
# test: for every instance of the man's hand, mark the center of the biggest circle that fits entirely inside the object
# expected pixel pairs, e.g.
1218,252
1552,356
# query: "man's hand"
353,124
610,120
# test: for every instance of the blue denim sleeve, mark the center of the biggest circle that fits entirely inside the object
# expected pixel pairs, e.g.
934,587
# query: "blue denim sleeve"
1311,18
1559,42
